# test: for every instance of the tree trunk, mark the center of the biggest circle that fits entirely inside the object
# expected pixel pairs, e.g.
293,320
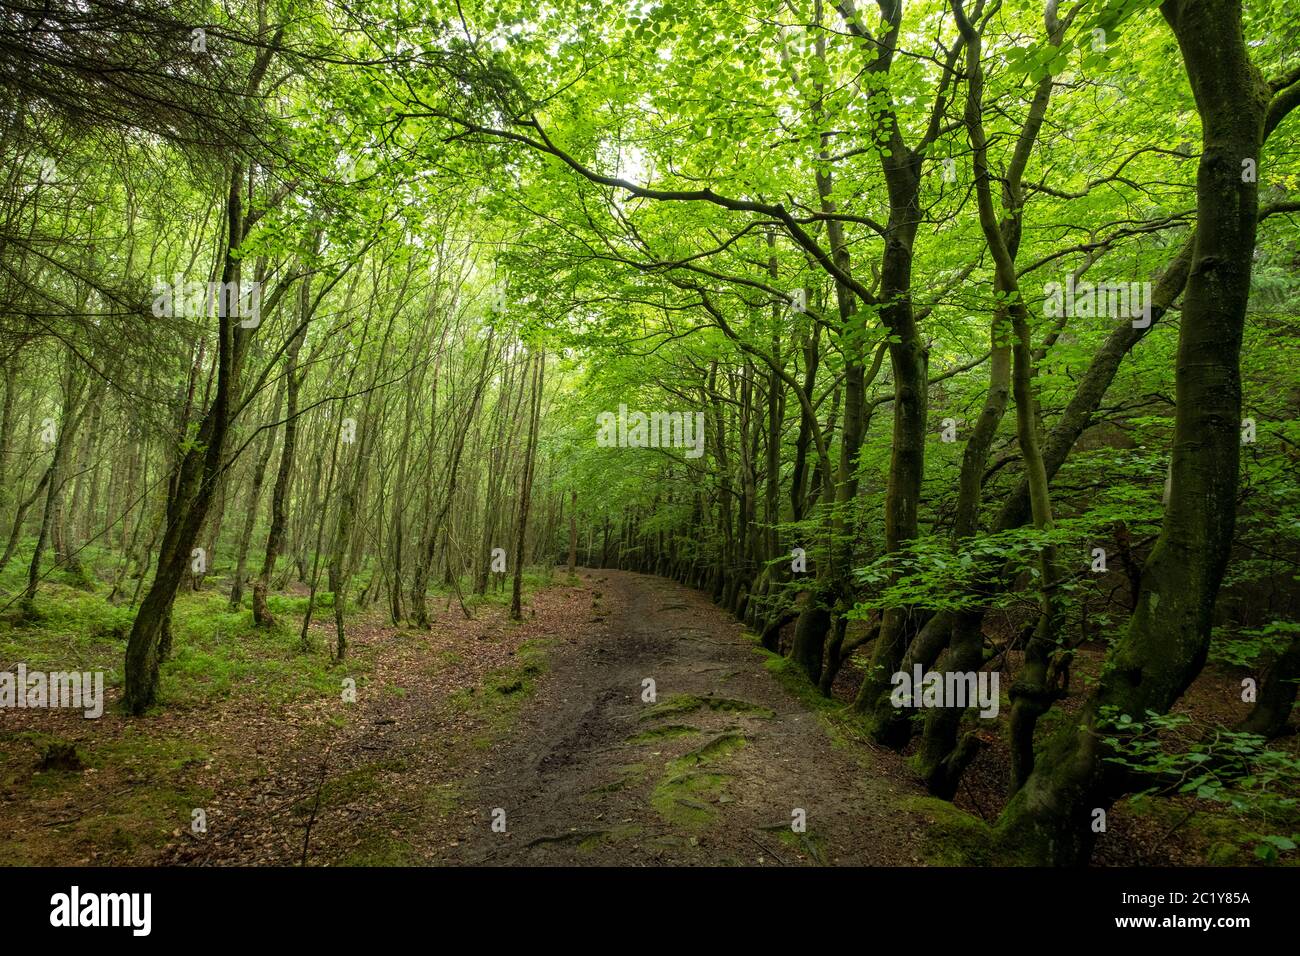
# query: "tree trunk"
1168,636
526,487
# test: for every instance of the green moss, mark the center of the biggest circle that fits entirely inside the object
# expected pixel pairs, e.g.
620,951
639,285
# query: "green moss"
842,724
792,677
123,824
684,799
619,834
532,580
1225,838
953,837
498,700
679,704
628,775
720,746
666,732
351,786
686,795
216,652
381,849
1225,854
134,749
810,843
443,798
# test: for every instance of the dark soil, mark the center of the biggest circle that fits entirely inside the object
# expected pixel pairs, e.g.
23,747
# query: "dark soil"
713,772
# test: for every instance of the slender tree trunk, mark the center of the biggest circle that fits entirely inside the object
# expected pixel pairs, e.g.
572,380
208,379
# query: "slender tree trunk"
260,464
275,536
526,486
573,529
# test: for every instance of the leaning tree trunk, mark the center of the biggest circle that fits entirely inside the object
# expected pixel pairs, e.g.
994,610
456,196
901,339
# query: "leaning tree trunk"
1165,645
195,483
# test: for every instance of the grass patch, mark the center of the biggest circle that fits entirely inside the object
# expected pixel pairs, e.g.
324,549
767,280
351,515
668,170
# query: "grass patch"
218,652
533,579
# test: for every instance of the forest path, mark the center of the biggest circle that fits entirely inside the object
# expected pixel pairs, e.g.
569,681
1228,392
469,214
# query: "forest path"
712,772
465,718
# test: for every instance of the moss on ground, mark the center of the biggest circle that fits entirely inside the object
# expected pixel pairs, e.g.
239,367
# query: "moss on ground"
628,775
809,843
686,795
350,786
667,732
123,822
496,703
381,849
1224,838
614,835
842,724
953,837
678,705
684,798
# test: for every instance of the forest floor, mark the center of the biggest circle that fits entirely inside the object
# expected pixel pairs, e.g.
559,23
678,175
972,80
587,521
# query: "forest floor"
535,745
486,741
547,722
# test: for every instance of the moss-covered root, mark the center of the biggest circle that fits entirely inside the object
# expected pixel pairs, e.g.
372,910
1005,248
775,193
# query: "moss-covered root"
953,837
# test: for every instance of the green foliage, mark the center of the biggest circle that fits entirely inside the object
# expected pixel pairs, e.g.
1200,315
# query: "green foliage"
1238,771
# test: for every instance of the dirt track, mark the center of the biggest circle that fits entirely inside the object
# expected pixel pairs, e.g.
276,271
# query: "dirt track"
585,771
711,773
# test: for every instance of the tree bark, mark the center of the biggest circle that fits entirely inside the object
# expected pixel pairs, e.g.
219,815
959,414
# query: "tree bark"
1168,636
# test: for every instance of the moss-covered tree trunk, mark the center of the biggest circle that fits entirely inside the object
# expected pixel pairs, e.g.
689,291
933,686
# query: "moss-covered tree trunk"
908,359
193,488
1165,645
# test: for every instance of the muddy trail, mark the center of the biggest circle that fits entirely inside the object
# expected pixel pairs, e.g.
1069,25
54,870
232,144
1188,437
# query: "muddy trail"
716,770
714,763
